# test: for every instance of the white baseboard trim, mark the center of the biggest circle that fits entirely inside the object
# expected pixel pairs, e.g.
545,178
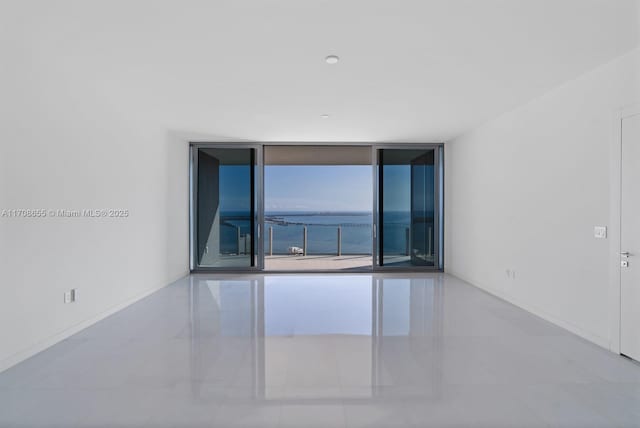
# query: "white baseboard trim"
598,340
52,340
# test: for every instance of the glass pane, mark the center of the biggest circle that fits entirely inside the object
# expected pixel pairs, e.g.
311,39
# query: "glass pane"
225,208
406,208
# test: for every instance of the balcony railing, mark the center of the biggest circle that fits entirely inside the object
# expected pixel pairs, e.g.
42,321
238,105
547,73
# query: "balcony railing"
340,240
345,239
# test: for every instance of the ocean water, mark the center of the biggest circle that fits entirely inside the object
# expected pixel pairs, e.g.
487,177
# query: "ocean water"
322,231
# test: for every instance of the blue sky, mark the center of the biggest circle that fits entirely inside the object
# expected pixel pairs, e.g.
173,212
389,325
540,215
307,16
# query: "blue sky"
318,188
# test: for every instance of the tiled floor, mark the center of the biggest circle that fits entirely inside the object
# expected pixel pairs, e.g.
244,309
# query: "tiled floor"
322,351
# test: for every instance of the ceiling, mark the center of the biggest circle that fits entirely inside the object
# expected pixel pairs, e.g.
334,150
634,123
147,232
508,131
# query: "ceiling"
255,70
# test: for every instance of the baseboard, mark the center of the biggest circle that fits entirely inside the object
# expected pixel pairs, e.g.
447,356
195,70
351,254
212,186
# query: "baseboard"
593,338
52,340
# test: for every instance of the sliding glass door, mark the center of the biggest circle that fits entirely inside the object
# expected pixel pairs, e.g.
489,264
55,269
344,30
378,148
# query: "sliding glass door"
225,226
409,207
323,227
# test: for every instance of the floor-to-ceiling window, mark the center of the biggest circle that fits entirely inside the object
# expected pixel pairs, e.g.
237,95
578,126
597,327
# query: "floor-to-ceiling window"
224,209
316,207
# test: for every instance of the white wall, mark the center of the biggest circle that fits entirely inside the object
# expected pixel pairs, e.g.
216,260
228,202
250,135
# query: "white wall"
87,109
524,191
67,141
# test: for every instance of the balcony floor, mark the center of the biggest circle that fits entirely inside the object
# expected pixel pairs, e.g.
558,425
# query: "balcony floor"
317,262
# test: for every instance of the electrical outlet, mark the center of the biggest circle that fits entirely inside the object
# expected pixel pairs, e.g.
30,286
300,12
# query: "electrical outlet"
67,296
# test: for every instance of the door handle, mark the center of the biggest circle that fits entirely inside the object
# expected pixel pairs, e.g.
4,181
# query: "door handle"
625,254
374,231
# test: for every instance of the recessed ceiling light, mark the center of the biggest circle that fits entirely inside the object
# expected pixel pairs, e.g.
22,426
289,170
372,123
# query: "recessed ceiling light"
324,116
332,59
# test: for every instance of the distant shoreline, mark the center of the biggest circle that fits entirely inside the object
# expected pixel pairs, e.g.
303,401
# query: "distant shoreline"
317,213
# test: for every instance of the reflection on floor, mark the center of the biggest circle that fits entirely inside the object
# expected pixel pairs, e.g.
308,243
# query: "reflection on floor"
322,350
